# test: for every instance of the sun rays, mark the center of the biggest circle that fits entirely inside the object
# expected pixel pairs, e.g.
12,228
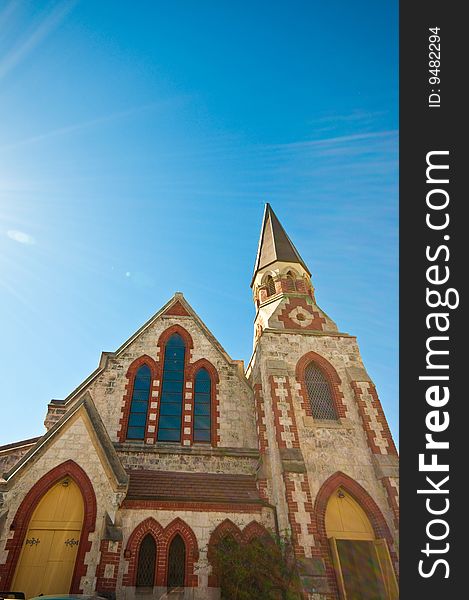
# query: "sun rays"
24,46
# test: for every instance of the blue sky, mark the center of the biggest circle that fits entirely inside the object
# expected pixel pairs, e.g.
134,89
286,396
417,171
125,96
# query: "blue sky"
138,145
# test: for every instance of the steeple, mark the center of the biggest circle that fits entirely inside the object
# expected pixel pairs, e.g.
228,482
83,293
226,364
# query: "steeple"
275,245
279,268
281,285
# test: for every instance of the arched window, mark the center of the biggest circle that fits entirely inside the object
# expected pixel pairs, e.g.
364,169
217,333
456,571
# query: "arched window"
270,283
202,406
169,424
319,393
290,281
139,404
146,562
176,563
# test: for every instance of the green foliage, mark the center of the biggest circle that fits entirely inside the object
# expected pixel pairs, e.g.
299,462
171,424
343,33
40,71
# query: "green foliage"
264,569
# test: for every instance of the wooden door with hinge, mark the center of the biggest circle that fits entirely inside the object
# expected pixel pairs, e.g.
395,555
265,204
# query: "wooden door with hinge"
49,552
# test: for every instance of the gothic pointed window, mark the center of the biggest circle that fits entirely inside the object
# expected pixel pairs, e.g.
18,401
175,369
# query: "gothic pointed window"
319,394
146,562
290,282
176,563
202,406
270,283
169,423
139,404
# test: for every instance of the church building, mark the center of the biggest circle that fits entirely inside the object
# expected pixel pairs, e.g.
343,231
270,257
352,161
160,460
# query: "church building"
170,445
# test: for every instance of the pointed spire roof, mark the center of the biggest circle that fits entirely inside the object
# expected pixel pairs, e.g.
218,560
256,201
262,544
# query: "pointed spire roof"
274,244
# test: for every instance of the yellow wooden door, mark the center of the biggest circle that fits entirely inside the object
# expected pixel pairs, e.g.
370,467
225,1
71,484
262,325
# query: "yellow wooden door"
362,563
50,548
346,519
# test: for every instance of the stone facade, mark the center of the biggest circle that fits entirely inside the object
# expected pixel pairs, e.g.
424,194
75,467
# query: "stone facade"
270,465
10,454
302,454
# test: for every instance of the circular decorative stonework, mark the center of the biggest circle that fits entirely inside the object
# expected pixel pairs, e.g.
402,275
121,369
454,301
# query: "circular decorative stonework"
301,316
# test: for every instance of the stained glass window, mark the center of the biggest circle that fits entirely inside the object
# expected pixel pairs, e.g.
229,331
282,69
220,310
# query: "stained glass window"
146,562
176,563
169,424
139,404
319,393
202,394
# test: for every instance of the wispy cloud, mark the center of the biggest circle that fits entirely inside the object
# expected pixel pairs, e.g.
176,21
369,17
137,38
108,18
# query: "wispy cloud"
7,12
355,117
75,127
37,35
21,237
335,141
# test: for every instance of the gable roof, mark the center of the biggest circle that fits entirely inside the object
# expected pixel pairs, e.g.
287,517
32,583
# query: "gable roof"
177,304
19,445
274,244
86,405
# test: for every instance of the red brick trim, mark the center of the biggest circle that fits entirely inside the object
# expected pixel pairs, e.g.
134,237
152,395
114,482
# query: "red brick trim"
226,528
223,529
279,428
317,323
193,506
156,388
129,388
374,514
254,530
178,526
176,309
149,526
167,333
163,539
392,495
386,432
289,482
370,433
260,418
331,375
191,372
203,363
108,557
288,479
261,436
25,511
189,344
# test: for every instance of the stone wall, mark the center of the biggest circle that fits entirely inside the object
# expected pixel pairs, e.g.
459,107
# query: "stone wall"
264,428
302,454
201,524
10,454
193,459
75,444
234,424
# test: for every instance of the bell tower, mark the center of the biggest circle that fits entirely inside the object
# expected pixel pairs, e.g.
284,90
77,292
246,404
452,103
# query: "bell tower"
283,292
276,257
323,438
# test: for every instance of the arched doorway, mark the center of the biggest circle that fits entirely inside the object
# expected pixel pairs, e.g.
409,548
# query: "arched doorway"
362,563
49,551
